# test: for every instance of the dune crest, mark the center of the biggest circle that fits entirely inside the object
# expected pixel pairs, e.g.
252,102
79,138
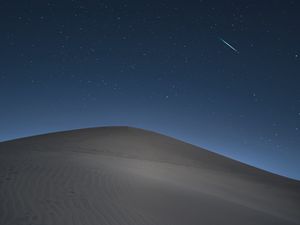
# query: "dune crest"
123,175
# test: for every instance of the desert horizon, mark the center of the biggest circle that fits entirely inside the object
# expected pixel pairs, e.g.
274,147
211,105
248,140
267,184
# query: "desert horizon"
147,130
150,112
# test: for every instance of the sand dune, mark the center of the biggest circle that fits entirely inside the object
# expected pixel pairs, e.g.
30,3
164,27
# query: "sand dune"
121,175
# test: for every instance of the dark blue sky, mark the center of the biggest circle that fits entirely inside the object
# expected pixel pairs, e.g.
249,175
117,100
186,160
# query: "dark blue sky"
158,65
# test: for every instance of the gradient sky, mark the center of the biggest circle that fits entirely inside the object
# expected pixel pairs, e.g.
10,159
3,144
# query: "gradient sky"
158,65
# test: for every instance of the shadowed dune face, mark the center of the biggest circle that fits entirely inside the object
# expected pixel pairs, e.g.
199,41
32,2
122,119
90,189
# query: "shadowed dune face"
121,175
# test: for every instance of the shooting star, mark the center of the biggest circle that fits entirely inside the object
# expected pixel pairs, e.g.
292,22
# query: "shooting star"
229,45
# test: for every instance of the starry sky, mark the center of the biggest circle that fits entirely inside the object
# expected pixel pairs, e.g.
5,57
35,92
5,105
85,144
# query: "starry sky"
158,65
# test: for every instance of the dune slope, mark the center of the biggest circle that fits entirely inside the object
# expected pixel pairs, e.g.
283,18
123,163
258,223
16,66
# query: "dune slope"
122,175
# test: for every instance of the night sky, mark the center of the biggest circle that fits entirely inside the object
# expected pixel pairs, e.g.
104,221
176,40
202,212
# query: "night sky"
158,65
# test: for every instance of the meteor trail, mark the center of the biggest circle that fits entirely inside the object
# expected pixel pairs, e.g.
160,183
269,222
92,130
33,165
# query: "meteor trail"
229,45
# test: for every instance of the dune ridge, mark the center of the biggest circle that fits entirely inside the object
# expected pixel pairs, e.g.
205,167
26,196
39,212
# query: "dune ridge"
123,175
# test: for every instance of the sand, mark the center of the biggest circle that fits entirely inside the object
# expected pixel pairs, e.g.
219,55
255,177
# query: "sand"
122,175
